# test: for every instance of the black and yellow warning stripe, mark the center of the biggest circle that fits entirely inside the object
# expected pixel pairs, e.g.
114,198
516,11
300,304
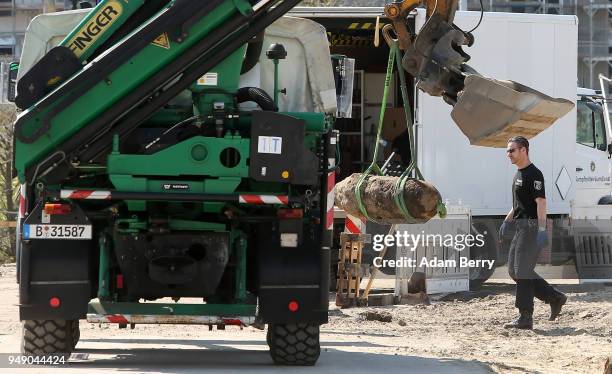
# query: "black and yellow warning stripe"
362,26
360,33
341,40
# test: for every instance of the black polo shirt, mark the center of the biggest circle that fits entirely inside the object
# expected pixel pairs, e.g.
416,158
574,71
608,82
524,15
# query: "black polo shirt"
528,185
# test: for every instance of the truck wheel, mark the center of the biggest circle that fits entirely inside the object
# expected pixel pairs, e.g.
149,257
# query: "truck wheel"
294,344
488,251
76,333
17,258
269,336
48,336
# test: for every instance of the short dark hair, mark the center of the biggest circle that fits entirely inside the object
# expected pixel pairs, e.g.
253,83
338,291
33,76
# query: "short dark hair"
521,141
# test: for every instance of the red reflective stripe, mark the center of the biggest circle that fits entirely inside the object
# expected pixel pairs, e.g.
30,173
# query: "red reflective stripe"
251,199
80,194
330,219
117,318
331,184
350,226
331,181
235,322
259,200
22,205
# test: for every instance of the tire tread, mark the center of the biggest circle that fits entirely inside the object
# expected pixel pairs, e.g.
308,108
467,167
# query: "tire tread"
294,344
41,337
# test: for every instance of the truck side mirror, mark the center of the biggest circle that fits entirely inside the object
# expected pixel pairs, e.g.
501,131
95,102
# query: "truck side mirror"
610,150
12,81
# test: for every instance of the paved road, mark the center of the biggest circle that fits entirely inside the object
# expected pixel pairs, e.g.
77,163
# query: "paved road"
236,353
186,349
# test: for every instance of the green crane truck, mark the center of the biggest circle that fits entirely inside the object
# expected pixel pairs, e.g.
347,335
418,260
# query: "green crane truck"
143,178
129,196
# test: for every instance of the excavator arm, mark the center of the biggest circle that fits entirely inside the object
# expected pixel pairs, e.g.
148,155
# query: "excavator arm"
487,111
433,55
397,13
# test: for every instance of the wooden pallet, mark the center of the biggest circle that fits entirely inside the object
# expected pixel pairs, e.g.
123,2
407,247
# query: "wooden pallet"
349,269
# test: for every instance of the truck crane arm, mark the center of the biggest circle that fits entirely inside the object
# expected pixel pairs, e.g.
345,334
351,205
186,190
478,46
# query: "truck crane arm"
207,33
434,55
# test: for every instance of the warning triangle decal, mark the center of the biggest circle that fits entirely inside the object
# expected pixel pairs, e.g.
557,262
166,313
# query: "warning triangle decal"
162,41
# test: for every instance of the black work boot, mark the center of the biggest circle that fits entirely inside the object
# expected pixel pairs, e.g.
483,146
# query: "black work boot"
555,307
524,322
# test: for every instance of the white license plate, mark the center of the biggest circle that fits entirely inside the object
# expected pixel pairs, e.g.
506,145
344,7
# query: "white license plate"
78,232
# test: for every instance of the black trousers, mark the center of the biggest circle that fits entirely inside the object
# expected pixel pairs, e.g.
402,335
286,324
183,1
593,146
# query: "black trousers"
521,264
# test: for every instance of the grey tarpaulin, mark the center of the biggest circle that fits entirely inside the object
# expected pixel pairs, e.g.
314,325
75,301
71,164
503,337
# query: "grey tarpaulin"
306,73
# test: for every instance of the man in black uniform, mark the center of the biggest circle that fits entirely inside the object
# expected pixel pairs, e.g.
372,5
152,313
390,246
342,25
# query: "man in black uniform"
528,213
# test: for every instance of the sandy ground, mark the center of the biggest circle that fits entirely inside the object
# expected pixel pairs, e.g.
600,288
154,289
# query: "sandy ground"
459,333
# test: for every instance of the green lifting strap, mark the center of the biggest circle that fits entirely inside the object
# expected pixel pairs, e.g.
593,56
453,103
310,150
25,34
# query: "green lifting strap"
395,56
403,179
374,166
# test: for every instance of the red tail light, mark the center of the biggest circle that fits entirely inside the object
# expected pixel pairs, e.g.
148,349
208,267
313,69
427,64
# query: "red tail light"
290,213
54,302
119,281
293,306
57,209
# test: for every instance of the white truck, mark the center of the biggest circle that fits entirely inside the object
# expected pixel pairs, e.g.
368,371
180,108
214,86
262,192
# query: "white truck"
539,51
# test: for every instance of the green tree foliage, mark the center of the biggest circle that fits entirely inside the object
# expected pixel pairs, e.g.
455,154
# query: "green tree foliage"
8,186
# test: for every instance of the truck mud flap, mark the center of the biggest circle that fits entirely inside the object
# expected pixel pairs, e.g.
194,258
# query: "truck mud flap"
290,287
490,111
55,267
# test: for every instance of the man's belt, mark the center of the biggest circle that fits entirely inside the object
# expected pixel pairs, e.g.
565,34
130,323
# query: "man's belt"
524,223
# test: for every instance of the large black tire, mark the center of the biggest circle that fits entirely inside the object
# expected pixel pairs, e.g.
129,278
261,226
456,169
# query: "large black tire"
294,344
76,333
42,337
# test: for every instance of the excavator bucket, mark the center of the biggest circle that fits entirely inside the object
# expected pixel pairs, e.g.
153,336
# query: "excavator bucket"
490,111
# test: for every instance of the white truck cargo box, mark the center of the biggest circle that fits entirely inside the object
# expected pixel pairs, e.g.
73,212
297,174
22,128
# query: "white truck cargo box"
539,51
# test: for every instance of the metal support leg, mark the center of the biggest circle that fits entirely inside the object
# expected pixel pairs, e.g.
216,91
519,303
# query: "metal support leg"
240,245
103,278
276,90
